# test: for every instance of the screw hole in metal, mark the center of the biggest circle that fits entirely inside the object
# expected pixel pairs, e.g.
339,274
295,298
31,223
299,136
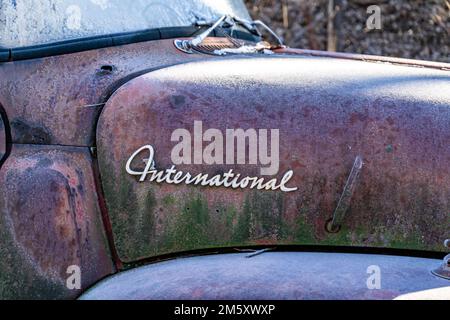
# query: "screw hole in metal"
329,227
106,68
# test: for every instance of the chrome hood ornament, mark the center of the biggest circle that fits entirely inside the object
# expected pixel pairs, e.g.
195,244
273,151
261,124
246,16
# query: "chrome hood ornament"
444,269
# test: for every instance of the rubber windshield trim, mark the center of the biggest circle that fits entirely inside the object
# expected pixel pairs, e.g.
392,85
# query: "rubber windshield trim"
111,40
4,55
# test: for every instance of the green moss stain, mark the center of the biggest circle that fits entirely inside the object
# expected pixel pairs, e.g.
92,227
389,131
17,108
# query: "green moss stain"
303,233
197,225
191,228
261,217
168,200
132,215
336,239
241,232
145,225
222,220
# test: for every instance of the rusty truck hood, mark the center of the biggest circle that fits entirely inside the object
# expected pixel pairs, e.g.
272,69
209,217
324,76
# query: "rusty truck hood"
328,112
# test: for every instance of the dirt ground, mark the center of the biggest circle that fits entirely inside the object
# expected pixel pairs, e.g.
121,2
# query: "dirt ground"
417,29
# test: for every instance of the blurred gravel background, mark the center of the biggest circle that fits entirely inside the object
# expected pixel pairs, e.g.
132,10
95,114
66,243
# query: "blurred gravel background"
417,29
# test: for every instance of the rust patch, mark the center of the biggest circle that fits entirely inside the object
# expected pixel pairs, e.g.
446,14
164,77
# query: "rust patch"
55,100
34,134
49,220
327,114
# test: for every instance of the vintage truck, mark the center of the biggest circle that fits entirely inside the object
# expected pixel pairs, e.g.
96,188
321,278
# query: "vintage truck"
165,150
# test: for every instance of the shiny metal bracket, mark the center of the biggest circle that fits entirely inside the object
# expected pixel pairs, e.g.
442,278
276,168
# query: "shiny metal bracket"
334,225
443,270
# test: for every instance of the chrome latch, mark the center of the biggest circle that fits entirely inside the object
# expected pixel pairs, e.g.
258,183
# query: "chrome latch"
444,269
334,224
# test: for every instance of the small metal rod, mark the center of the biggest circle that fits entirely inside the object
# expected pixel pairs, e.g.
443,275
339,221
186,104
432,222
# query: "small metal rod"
257,252
187,45
199,39
93,105
265,26
334,225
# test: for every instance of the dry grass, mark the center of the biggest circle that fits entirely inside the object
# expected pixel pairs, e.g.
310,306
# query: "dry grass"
418,29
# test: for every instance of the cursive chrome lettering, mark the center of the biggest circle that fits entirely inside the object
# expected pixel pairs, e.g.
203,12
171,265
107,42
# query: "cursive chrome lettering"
228,179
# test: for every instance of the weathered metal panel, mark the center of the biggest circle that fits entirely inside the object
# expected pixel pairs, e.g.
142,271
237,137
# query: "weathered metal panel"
328,112
273,275
55,100
49,220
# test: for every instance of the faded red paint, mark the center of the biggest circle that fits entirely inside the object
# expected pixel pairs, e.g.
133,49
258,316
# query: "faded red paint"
50,220
51,199
56,100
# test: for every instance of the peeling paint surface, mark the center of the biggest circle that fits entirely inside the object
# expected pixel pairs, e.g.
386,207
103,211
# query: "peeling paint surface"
328,112
49,220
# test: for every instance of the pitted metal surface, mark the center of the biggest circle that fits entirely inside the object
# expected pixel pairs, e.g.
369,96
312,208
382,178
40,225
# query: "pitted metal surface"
328,112
49,220
57,100
272,275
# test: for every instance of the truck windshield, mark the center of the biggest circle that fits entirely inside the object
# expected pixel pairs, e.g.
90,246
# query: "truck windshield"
35,22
